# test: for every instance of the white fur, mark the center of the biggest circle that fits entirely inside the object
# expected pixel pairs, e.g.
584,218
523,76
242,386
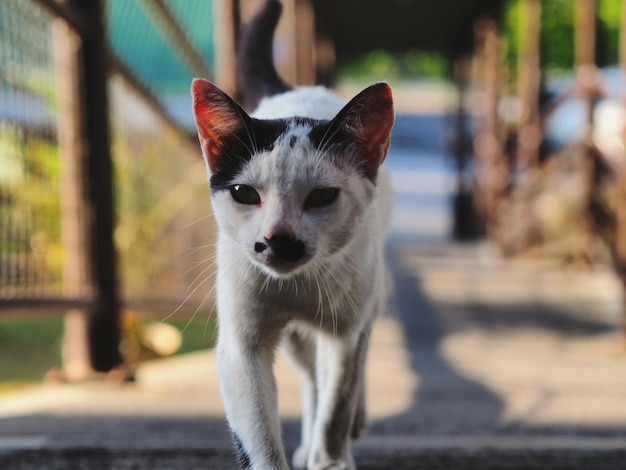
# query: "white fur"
321,310
315,102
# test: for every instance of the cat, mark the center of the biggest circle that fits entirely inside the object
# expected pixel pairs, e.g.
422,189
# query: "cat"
302,202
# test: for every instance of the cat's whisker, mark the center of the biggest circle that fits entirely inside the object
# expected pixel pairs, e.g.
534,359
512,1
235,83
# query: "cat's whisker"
199,308
355,310
250,132
194,222
199,248
188,297
324,294
209,267
212,258
325,142
250,149
194,266
320,308
206,297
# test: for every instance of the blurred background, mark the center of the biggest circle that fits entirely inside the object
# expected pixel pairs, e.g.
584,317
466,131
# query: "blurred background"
509,135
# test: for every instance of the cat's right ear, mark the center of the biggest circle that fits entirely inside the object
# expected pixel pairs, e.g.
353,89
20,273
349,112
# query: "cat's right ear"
218,118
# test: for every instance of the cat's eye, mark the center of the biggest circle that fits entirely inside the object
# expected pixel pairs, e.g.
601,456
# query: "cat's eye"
321,197
244,194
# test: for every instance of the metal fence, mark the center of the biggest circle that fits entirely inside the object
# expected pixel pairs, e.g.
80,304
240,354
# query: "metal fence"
31,259
60,242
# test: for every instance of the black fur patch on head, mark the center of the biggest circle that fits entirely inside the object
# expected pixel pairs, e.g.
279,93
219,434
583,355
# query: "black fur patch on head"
292,141
335,141
325,134
239,148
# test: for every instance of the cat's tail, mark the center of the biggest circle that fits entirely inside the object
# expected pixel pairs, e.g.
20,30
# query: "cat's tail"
256,74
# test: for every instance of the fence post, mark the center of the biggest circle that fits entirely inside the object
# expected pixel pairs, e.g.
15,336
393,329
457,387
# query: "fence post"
294,40
523,233
586,76
226,14
304,34
491,169
620,236
66,45
529,82
464,225
104,328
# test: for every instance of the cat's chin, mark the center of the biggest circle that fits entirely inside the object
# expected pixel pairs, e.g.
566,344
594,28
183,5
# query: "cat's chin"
278,268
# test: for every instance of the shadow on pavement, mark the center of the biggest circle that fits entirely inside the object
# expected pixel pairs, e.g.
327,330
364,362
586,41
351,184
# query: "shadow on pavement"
445,403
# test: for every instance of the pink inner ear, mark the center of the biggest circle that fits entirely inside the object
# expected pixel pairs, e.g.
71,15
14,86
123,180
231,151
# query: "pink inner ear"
376,115
377,126
217,116
214,111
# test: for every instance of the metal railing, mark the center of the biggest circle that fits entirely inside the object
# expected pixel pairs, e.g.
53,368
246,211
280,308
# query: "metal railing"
103,199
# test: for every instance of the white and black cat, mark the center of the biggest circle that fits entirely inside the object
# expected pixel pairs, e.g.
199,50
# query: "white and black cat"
302,204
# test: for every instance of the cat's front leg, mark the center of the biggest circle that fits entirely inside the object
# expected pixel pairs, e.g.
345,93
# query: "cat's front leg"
299,344
340,369
250,400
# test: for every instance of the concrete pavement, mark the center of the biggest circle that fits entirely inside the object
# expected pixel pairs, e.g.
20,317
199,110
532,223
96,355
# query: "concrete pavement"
481,363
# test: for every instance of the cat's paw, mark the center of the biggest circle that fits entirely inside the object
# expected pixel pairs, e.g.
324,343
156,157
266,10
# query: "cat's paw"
332,464
337,465
300,457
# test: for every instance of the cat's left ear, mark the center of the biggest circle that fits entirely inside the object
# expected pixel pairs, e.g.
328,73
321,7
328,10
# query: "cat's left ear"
368,118
218,117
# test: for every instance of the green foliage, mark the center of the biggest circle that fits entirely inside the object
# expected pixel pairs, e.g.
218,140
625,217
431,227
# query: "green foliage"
557,41
385,65
512,33
558,19
610,17
30,201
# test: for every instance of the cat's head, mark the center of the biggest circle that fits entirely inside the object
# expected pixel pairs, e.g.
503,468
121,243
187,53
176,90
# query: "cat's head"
292,192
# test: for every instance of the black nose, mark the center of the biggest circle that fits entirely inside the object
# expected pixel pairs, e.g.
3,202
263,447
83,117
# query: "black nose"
287,247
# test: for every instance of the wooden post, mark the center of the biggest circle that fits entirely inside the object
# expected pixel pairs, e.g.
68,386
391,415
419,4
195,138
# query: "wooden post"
620,236
522,233
463,227
528,85
104,328
586,76
294,41
67,44
304,33
492,171
226,14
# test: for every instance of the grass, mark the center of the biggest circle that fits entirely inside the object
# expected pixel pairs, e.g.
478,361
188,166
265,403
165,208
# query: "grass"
30,346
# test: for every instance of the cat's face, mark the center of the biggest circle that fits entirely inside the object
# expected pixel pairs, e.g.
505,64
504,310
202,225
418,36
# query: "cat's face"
291,192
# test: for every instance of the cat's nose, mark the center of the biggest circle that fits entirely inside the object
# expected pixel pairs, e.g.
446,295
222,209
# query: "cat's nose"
286,247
